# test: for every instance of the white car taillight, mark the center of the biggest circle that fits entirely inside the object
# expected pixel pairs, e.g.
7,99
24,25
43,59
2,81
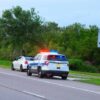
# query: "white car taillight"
26,62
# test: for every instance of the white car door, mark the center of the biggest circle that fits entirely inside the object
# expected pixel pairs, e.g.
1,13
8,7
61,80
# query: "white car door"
19,62
15,62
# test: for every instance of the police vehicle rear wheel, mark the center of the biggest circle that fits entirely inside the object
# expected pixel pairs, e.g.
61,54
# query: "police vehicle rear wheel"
40,75
29,73
64,77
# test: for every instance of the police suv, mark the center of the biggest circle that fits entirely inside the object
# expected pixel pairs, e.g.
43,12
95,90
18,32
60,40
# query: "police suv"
49,64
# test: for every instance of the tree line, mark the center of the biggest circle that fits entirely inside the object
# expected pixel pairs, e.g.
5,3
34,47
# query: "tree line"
24,32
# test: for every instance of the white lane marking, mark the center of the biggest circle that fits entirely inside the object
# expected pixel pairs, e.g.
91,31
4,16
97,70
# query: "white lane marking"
25,92
34,94
57,84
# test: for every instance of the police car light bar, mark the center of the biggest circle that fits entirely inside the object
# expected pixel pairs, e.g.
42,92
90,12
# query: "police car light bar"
44,50
54,51
47,50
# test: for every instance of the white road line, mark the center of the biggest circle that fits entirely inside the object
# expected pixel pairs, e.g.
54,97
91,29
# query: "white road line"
25,92
57,84
36,95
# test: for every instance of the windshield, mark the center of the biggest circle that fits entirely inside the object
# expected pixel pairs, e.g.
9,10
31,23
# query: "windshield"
56,57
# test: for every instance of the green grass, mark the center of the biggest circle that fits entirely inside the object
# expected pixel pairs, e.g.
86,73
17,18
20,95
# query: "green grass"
85,73
92,81
5,63
92,78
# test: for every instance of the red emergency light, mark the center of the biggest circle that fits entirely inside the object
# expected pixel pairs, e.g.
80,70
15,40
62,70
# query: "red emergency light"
44,50
47,50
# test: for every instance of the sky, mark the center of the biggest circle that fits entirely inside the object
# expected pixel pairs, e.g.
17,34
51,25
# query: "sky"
63,12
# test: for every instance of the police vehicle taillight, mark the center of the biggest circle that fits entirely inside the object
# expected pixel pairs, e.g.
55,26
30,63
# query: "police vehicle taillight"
46,63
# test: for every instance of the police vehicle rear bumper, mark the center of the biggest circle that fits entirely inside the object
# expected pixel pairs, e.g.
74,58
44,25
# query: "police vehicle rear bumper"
56,73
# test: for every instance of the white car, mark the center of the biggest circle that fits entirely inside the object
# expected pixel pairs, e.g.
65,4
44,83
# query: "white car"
49,64
21,63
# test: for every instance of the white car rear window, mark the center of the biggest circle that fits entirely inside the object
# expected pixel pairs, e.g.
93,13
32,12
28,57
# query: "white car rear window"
29,58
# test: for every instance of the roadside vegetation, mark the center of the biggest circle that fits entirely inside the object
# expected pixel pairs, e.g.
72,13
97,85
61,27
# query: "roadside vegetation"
24,32
92,78
5,64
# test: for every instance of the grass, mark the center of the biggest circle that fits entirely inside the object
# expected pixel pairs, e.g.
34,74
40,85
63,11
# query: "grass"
85,73
92,81
92,78
5,63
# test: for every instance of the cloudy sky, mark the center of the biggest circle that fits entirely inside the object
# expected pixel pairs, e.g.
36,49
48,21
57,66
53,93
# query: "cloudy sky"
63,12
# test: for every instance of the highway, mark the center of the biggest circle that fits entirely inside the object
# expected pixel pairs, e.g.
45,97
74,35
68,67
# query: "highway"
15,85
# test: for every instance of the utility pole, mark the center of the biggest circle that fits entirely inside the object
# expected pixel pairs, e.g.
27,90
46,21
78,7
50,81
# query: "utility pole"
98,39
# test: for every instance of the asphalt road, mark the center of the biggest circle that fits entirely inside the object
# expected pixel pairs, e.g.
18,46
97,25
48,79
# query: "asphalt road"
15,85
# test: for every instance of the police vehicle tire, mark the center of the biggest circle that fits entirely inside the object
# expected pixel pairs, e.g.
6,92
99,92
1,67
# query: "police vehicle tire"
64,77
21,68
40,75
29,73
12,67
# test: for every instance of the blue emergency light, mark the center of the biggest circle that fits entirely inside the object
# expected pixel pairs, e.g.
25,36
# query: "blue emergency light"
53,51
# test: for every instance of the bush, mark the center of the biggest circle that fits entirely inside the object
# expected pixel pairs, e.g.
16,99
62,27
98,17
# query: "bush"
88,68
79,65
75,63
98,67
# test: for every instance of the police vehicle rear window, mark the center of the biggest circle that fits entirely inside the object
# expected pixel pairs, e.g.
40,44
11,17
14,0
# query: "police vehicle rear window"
56,57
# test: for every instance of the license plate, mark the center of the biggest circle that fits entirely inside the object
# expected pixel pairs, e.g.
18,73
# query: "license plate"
58,66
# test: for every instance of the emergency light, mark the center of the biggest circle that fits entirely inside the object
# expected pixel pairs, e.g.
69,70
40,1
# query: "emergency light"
44,50
47,50
53,51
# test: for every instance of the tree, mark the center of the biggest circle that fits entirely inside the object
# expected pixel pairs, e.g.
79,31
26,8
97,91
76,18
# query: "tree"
50,35
20,27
